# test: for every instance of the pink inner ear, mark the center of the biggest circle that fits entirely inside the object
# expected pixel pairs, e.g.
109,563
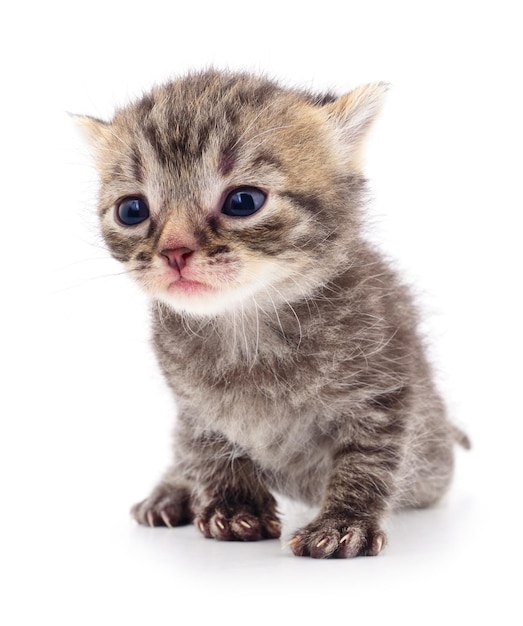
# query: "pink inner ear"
93,130
355,112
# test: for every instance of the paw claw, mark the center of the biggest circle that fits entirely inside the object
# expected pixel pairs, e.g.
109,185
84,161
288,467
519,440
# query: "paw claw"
326,538
272,528
150,518
166,506
290,543
166,519
377,544
238,522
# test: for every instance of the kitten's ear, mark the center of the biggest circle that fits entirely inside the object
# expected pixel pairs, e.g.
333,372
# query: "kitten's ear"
354,113
95,133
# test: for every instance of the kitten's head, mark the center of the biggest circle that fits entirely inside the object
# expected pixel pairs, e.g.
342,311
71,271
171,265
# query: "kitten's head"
222,190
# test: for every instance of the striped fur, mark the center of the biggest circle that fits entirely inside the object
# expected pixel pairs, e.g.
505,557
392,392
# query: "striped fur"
299,369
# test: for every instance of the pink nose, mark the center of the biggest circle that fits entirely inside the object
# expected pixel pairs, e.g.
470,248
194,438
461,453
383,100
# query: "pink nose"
177,257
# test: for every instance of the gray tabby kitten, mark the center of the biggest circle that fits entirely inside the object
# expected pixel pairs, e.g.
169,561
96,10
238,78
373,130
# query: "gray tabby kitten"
289,343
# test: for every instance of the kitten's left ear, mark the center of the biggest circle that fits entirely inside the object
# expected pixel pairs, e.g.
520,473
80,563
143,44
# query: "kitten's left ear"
94,131
354,113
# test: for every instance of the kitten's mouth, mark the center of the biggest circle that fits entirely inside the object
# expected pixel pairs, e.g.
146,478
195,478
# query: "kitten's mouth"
186,286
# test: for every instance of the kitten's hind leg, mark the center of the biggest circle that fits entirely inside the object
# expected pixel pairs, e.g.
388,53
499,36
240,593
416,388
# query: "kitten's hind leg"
168,505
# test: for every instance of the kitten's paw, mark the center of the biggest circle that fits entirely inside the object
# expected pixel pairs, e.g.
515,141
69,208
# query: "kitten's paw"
237,522
330,538
166,506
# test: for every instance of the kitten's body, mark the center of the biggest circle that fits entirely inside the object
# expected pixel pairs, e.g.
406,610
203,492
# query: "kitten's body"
289,343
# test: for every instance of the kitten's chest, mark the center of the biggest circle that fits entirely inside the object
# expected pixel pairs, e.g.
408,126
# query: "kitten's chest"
285,440
242,363
272,403
267,403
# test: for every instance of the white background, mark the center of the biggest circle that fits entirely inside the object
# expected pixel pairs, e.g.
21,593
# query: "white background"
85,418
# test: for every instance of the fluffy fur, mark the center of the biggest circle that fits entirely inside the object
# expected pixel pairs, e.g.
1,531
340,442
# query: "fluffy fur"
289,343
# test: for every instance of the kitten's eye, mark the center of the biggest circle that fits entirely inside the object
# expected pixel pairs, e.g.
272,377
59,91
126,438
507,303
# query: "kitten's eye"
132,211
243,201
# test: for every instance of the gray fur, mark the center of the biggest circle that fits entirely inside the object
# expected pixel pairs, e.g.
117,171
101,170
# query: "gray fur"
313,381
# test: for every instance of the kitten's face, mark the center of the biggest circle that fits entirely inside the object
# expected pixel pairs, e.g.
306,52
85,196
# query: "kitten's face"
221,191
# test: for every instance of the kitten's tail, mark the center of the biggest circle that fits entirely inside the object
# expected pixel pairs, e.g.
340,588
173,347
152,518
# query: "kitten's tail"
461,438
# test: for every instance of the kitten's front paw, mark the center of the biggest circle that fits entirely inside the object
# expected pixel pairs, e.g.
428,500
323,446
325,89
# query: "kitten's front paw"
166,506
237,522
333,538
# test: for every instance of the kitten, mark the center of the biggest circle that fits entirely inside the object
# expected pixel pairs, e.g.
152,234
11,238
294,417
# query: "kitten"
289,343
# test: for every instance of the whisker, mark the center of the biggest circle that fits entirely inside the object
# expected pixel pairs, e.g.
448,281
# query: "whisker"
293,312
92,279
243,329
251,124
276,312
187,326
256,347
270,130
118,138
80,262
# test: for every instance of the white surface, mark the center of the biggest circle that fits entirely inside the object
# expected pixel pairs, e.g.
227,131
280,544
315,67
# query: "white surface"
85,417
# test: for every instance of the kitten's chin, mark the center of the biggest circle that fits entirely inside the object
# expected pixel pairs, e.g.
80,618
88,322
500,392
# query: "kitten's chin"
203,300
199,299
211,299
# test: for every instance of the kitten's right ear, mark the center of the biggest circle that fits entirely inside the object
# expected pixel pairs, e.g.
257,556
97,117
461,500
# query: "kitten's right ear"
354,113
95,133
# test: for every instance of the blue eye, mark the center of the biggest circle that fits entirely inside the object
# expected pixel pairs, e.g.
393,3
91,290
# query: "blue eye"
243,202
132,210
